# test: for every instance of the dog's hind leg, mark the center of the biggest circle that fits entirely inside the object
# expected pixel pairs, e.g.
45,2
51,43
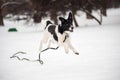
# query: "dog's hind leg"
43,41
49,43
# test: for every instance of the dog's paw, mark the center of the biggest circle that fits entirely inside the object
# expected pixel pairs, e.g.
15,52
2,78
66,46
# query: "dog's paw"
77,53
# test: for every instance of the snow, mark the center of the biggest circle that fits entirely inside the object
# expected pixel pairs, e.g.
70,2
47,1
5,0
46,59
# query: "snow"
99,48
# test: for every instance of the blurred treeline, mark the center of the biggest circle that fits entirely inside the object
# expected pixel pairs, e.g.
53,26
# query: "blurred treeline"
38,9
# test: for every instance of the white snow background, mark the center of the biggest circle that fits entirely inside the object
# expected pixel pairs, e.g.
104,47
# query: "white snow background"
99,48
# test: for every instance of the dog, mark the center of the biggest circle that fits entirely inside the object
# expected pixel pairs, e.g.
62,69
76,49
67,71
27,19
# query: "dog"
59,34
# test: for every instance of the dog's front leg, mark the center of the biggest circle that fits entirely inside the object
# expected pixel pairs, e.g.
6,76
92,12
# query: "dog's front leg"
71,46
66,48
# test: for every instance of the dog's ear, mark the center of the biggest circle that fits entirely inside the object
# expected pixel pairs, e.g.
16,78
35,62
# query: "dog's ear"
70,17
62,19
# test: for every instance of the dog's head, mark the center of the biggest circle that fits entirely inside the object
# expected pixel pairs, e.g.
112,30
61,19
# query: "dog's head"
66,24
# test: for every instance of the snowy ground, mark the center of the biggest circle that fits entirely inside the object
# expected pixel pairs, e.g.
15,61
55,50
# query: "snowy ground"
99,48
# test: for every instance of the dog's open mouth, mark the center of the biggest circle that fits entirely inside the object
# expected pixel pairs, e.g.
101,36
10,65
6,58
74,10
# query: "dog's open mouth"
71,30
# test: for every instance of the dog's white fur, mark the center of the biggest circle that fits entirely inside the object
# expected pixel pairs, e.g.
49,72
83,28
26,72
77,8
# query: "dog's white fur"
62,41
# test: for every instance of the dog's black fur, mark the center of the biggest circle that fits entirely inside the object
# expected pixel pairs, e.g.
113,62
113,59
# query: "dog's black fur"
51,29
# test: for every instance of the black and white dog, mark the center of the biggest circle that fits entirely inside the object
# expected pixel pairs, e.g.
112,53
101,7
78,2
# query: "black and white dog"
59,34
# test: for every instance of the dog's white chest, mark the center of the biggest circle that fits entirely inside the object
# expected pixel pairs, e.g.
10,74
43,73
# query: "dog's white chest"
62,37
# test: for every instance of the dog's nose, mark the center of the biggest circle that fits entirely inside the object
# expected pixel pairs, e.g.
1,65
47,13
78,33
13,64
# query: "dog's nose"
72,27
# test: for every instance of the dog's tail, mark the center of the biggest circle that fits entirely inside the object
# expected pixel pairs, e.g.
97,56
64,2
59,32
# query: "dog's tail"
47,23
